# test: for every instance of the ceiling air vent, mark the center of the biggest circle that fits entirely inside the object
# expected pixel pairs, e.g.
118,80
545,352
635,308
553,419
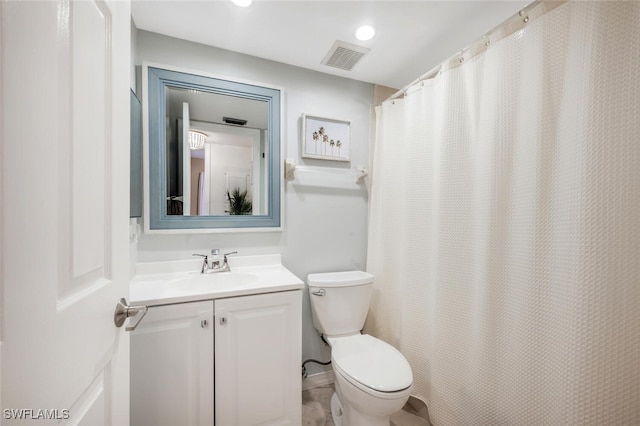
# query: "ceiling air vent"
344,55
235,121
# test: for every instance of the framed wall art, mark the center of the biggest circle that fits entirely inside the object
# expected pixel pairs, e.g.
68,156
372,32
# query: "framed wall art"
325,138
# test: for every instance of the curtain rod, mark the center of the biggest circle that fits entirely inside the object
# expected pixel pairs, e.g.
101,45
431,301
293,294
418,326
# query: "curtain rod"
512,24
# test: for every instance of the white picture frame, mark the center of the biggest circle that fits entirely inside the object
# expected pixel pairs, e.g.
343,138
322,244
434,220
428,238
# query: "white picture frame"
326,138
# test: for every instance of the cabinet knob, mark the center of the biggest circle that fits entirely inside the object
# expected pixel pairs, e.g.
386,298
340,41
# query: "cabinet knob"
204,323
223,321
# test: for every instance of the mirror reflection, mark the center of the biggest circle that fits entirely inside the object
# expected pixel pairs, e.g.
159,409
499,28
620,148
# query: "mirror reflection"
213,153
216,151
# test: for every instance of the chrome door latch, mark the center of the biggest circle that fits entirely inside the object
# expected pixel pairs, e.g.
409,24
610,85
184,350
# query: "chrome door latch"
124,311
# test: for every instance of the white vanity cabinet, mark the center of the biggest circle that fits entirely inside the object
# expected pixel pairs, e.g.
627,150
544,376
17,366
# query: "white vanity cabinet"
257,359
172,366
253,343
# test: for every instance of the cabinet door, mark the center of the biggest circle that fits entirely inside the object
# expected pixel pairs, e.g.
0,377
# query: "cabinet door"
172,366
257,360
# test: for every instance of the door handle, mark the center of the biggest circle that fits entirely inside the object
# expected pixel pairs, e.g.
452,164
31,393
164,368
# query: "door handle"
124,311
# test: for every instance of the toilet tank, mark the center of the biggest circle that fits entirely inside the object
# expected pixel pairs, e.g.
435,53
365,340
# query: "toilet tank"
340,301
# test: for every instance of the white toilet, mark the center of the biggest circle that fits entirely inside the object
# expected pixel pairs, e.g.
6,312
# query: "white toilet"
373,379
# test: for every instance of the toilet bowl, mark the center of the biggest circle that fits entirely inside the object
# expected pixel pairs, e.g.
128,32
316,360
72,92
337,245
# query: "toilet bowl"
373,380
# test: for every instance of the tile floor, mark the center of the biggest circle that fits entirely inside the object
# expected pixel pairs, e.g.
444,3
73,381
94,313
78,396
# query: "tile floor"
316,410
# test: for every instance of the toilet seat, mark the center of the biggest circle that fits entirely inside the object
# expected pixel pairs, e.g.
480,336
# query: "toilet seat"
371,364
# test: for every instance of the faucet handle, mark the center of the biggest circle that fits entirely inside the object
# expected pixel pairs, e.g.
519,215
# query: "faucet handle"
205,261
227,254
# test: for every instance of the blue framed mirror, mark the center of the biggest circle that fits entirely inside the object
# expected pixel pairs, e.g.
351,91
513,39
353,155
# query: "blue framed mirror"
214,153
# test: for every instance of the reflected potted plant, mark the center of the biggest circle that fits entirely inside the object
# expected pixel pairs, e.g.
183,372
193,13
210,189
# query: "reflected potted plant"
239,202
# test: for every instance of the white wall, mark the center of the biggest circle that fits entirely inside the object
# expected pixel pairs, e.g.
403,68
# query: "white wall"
325,229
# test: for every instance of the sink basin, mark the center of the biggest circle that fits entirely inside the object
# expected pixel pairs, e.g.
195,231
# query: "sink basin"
217,279
180,281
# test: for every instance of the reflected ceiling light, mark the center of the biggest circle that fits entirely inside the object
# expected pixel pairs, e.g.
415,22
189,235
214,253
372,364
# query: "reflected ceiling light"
197,139
365,32
242,3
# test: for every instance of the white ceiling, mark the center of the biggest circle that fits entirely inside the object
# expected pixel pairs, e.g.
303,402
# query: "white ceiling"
412,36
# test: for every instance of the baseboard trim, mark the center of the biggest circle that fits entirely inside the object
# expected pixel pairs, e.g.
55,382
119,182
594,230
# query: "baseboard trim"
318,380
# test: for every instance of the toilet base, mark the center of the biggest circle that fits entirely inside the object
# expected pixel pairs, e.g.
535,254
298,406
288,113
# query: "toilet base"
349,416
364,408
336,410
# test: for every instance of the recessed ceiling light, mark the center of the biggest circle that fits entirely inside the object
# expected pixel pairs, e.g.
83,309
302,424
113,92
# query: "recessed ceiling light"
242,3
365,32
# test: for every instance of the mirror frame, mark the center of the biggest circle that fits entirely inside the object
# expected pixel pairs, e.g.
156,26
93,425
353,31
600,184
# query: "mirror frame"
135,160
156,218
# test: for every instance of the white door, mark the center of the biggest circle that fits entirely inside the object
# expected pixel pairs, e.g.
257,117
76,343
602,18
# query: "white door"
232,153
64,210
172,366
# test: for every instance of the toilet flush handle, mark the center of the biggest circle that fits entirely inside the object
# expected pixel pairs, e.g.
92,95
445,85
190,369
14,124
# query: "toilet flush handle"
320,292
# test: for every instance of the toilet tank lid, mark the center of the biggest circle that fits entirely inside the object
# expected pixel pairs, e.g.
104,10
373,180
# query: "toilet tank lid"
339,279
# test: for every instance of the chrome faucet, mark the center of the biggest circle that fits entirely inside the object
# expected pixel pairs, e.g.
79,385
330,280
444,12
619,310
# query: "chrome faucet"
215,265
215,259
205,262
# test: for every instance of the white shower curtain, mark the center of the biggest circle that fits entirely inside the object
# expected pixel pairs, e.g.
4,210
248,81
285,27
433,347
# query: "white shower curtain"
505,224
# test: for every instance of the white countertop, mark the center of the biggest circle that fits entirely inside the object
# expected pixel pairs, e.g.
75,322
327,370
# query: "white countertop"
162,283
